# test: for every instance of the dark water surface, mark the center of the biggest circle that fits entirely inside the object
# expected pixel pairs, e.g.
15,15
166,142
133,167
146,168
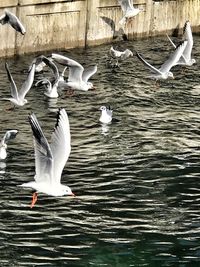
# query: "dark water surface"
137,180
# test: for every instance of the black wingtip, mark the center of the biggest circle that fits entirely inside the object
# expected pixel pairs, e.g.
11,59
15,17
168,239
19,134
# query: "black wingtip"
185,26
58,117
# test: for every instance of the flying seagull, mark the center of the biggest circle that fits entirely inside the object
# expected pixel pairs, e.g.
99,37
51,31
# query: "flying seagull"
78,76
10,134
18,97
164,71
117,34
10,18
106,114
186,58
52,86
120,55
129,11
50,159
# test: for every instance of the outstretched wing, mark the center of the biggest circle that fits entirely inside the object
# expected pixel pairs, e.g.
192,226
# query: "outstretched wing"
126,5
89,72
187,35
60,144
182,58
75,69
109,21
149,66
174,58
13,88
52,66
171,41
43,154
26,86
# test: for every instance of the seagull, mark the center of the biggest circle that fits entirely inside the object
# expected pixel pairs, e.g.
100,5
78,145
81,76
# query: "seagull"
39,64
10,18
106,114
78,76
51,91
164,71
18,98
50,158
10,134
117,34
186,58
118,55
52,87
128,10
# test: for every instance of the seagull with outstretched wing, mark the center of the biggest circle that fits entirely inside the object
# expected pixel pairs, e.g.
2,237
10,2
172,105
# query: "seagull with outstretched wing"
50,158
186,58
164,71
18,97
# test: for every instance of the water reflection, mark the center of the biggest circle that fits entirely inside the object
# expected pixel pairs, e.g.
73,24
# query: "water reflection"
105,128
136,182
52,104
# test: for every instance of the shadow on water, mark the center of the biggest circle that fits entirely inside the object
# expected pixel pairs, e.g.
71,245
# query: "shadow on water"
136,180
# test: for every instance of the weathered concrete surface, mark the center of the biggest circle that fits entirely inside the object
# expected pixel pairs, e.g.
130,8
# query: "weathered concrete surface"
62,24
50,26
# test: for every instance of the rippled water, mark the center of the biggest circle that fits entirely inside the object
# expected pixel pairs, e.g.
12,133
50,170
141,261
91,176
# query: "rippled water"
136,181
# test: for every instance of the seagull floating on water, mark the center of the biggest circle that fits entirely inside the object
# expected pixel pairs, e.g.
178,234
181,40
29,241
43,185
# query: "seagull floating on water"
186,58
164,71
10,18
10,134
106,114
129,10
78,76
50,159
18,97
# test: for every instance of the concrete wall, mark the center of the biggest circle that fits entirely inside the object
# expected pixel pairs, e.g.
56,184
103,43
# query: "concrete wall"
62,24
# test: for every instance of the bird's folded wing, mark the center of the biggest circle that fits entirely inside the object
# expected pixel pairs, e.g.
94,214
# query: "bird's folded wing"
10,134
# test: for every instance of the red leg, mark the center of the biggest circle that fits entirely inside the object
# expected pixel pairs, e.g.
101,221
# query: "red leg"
34,199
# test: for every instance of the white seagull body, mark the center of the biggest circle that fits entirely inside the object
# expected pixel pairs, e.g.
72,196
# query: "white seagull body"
52,87
18,97
50,159
11,134
186,58
164,71
120,54
51,90
106,114
10,18
78,76
128,10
